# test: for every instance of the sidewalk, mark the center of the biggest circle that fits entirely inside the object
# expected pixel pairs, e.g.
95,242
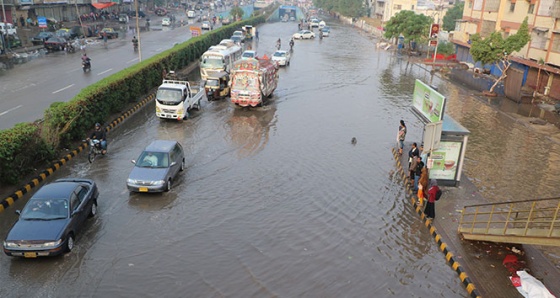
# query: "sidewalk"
482,261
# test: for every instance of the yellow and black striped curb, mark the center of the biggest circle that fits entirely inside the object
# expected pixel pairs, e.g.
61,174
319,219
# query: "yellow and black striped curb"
471,289
18,194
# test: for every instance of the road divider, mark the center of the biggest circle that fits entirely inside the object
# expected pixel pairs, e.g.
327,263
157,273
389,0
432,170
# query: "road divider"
469,286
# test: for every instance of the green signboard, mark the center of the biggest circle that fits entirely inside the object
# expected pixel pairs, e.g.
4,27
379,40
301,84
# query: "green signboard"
428,101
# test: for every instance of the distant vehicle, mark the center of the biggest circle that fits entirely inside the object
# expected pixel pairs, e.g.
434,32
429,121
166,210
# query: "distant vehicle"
55,44
252,81
237,39
304,34
123,18
51,219
132,13
111,33
322,24
206,25
41,37
8,28
166,22
249,54
326,31
314,23
64,33
78,32
156,167
219,58
160,11
191,14
282,58
226,21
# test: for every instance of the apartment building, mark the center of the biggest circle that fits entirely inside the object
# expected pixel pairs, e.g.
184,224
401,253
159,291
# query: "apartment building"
537,65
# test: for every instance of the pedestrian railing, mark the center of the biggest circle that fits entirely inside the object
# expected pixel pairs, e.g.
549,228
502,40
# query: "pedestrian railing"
525,222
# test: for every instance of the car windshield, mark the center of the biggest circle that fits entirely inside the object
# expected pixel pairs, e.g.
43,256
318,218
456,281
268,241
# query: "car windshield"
149,159
248,55
212,83
172,95
44,34
212,62
45,209
237,33
280,54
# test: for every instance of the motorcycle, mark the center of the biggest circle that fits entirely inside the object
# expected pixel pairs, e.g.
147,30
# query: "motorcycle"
86,65
135,45
94,149
70,47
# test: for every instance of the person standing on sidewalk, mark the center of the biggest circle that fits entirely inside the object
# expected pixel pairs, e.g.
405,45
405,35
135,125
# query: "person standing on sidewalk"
423,184
412,168
401,135
418,172
430,209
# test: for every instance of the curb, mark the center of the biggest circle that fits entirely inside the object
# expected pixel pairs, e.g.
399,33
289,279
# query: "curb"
469,286
36,181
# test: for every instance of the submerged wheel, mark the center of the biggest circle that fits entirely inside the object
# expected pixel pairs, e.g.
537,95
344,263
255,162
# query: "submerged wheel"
69,243
93,210
182,165
168,185
91,157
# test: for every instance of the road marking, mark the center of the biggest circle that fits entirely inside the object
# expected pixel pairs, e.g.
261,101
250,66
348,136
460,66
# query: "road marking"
135,59
24,87
108,70
69,86
6,112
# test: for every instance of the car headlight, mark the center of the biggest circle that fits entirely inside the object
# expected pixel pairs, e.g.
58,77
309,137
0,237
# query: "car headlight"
159,182
52,243
130,181
158,110
9,244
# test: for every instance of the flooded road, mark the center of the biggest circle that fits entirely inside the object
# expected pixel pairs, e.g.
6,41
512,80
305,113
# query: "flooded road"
276,201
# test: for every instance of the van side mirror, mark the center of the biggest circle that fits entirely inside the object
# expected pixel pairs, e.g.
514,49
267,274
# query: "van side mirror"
18,212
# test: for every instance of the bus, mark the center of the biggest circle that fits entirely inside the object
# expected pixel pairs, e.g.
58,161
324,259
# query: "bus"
219,58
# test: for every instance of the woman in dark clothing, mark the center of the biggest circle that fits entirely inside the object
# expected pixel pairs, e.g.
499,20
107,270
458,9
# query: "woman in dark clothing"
430,210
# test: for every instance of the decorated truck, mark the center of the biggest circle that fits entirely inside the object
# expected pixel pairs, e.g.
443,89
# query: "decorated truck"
252,81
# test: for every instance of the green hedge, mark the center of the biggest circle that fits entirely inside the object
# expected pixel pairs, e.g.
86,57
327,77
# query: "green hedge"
26,144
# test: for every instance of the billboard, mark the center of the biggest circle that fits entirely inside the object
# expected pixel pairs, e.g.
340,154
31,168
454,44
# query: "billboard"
428,102
444,160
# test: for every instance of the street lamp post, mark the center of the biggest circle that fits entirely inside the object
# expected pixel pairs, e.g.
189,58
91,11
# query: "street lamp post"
138,32
4,14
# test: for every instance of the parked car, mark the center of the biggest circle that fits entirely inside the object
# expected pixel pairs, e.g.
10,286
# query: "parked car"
12,41
206,25
160,11
156,167
166,22
78,31
249,54
55,44
282,58
64,33
51,219
8,28
41,37
226,21
111,33
304,34
132,13
326,31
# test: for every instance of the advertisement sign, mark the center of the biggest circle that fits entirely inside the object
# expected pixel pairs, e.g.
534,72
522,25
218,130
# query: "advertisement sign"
428,101
195,31
443,161
434,31
42,22
25,2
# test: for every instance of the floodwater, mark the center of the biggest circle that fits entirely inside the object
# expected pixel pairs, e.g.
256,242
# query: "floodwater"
276,201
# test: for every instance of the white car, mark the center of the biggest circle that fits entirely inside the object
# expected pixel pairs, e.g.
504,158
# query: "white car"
322,24
249,55
304,34
166,22
314,23
281,57
205,25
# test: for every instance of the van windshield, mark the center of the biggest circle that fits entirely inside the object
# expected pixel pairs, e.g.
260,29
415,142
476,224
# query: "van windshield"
169,95
212,62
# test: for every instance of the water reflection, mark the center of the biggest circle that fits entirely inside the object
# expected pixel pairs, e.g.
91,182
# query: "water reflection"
249,129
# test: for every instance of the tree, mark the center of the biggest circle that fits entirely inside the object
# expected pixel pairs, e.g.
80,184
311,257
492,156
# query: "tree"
497,50
410,25
350,8
452,15
237,13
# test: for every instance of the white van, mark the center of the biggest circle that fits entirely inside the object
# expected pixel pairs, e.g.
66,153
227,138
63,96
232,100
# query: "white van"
190,14
8,28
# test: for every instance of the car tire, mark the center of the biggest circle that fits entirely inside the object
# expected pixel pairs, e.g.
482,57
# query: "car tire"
93,210
168,185
182,168
69,243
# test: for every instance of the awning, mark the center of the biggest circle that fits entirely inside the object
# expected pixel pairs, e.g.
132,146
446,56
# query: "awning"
103,5
541,29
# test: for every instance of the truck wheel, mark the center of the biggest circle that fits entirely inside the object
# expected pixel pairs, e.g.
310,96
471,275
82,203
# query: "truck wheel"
197,106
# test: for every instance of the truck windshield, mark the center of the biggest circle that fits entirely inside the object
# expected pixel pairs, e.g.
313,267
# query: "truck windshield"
212,62
245,82
169,95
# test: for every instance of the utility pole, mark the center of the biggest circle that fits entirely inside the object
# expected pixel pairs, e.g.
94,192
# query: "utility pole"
138,32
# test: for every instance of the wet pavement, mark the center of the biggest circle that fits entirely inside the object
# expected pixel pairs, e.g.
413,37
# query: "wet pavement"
277,202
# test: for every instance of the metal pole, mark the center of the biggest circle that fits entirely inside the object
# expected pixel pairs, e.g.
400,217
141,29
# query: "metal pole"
4,15
138,32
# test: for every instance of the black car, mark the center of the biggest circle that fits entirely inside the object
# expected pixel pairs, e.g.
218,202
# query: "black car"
41,37
132,13
55,44
49,222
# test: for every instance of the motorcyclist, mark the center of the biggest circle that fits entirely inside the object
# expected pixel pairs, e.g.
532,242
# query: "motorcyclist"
86,61
278,44
320,34
99,134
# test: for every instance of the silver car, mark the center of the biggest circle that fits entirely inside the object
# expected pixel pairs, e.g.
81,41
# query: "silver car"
156,167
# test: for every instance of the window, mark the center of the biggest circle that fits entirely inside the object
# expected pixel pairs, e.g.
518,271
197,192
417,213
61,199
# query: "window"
556,42
397,7
512,7
531,8
74,202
